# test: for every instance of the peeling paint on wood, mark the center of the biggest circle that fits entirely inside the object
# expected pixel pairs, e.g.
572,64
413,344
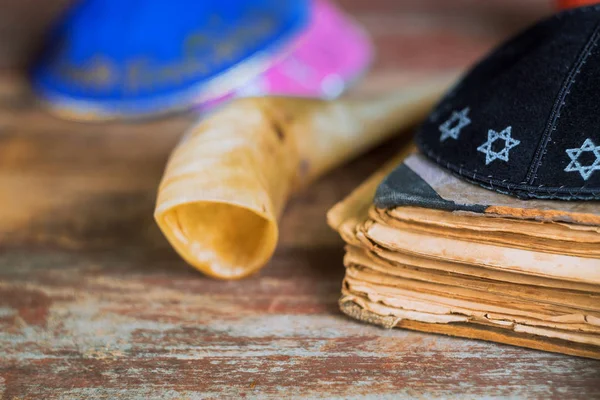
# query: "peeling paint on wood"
95,304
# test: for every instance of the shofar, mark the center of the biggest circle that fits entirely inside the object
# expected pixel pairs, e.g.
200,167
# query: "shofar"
228,181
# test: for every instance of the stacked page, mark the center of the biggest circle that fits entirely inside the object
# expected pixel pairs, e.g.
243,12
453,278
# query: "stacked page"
431,252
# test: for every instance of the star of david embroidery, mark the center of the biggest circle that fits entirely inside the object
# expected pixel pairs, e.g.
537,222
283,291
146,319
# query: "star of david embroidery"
487,147
585,170
453,125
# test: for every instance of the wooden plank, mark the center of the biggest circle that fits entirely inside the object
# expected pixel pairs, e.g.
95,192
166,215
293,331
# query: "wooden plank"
94,303
23,27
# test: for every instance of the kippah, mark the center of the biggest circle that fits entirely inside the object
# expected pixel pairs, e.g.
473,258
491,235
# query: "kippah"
525,121
111,59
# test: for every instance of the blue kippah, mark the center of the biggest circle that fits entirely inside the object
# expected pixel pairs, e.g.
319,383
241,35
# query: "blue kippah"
114,58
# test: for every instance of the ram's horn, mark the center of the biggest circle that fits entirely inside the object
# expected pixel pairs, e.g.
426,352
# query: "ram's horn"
229,179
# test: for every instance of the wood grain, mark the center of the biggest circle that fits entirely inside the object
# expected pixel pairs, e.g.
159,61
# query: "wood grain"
94,303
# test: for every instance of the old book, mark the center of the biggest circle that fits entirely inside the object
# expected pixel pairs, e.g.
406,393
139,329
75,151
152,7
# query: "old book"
438,254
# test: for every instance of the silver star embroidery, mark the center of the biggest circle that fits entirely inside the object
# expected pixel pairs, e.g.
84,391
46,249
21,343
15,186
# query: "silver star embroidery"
585,170
453,125
509,143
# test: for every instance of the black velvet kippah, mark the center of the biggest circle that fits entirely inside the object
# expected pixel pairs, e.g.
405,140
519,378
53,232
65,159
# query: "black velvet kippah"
525,121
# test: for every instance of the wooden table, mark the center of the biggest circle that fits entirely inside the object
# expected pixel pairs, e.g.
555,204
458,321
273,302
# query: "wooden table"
94,303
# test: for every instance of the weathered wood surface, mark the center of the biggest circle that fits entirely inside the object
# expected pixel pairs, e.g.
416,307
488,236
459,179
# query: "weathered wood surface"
94,303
